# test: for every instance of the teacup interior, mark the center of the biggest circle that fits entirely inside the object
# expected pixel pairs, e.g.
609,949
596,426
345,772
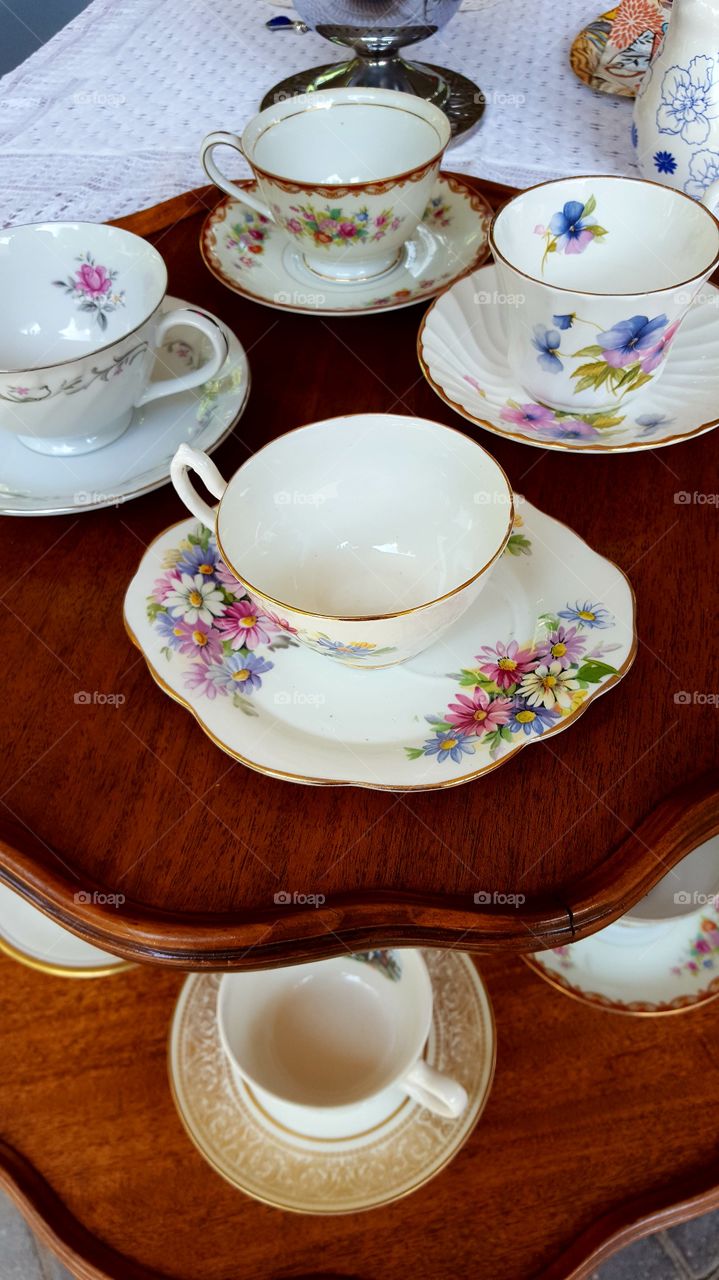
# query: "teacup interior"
607,235
365,515
340,142
71,288
325,1034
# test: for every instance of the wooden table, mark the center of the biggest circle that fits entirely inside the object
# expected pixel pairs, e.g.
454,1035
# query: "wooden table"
136,800
599,1128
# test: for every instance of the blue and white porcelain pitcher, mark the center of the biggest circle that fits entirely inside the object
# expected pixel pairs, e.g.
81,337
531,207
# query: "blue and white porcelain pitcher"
676,114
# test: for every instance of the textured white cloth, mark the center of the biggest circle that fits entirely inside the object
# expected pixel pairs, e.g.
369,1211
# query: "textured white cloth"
108,116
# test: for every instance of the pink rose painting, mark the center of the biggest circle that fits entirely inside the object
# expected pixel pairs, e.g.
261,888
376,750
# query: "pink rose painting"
92,287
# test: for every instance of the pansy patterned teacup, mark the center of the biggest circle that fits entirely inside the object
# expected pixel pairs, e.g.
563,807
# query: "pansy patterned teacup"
321,1044
597,274
80,328
365,537
346,173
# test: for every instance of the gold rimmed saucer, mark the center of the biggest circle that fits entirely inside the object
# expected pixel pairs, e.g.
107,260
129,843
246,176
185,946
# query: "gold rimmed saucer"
34,940
404,1150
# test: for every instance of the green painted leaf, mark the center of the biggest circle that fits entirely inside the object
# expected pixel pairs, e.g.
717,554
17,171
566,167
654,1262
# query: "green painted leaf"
414,753
518,545
153,609
506,733
244,705
589,207
594,670
593,350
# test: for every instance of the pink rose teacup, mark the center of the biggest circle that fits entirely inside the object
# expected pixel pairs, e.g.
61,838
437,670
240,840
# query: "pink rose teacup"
80,327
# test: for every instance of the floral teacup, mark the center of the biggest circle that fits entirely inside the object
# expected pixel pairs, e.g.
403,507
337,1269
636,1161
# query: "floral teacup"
597,274
80,326
364,537
346,173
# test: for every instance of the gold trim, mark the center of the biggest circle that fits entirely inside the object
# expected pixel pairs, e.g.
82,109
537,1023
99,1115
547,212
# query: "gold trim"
442,785
63,971
95,351
593,293
636,1009
310,1137
369,617
488,1007
559,445
456,185
378,187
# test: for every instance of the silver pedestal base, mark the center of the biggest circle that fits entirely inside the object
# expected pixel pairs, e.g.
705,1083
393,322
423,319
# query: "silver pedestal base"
459,97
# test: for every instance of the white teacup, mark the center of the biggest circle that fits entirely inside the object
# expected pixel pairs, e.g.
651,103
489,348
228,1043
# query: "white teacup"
319,1042
346,173
365,537
80,327
597,274
691,886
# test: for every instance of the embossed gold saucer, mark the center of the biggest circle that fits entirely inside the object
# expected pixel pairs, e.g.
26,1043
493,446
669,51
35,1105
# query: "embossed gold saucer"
358,1171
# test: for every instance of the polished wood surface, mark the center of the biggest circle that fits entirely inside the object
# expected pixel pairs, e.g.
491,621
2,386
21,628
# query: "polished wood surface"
135,800
567,1163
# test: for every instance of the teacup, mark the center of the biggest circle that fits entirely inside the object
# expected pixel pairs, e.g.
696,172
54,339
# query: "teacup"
692,885
365,536
597,274
80,329
320,1044
346,173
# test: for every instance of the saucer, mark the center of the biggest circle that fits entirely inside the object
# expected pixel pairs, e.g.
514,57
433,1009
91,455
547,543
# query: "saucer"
288,712
358,1170
462,352
38,942
253,257
621,70
670,973
34,484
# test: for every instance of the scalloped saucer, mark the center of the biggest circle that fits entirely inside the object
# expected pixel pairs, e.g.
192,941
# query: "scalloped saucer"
650,971
34,484
248,254
399,1152
288,712
32,938
462,351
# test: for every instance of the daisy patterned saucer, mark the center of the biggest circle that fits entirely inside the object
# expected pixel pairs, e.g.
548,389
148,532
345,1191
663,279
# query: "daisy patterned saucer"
553,628
35,484
396,1151
253,257
462,351
675,969
32,938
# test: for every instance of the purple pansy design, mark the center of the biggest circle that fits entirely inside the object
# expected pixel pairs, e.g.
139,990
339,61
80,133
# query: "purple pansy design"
571,229
547,342
627,341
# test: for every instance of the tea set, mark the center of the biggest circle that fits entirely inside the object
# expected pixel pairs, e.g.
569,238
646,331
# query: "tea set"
369,603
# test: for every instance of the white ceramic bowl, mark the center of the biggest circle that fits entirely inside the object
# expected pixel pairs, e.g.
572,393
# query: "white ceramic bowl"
364,536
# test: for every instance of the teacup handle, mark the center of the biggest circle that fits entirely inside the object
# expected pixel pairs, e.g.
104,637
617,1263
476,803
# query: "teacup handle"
435,1091
221,139
188,459
220,350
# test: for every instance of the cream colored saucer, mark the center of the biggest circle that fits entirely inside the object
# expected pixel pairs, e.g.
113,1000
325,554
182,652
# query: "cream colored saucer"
32,938
328,1176
462,349
253,257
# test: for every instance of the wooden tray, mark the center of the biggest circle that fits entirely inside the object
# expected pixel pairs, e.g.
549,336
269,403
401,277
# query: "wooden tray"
599,1129
134,800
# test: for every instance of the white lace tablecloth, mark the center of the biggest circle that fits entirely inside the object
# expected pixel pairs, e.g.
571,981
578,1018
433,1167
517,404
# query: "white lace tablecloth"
108,116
